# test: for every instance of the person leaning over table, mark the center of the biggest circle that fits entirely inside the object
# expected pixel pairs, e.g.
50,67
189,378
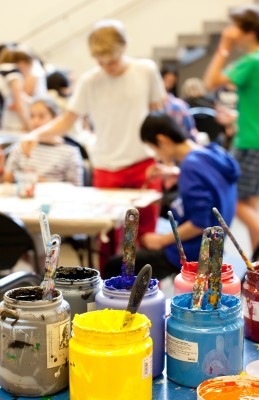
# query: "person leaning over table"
116,95
207,179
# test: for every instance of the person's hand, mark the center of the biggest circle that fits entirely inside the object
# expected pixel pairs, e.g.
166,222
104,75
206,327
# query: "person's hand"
169,174
230,37
225,115
153,241
28,143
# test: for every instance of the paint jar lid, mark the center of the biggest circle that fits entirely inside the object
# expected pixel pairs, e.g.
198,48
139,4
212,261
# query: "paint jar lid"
229,387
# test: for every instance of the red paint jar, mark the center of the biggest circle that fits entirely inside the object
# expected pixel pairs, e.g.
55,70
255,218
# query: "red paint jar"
250,303
183,282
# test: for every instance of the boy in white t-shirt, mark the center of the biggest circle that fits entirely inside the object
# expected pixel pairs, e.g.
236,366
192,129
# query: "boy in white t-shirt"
116,96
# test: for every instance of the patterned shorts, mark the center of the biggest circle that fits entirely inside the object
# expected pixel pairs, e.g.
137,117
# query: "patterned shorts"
248,183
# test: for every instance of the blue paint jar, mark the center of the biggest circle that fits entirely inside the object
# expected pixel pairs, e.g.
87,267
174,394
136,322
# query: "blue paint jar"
153,306
203,344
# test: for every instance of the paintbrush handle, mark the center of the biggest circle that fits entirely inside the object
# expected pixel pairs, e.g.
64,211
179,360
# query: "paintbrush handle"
227,230
179,245
138,291
202,270
45,230
215,266
51,262
130,242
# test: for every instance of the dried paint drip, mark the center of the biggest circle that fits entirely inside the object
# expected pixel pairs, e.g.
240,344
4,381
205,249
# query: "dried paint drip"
183,258
130,239
227,230
202,271
51,262
215,267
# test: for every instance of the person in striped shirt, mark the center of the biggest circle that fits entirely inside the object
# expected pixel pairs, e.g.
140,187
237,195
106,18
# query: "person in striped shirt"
52,162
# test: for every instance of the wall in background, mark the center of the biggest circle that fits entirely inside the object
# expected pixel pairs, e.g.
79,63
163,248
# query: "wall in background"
57,29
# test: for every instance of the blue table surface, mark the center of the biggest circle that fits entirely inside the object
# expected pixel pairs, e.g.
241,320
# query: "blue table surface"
163,389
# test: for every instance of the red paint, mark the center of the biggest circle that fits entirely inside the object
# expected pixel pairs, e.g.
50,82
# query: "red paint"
184,281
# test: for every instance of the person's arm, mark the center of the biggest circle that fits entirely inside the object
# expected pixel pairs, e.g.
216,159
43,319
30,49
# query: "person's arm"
30,84
20,107
156,106
155,241
56,127
214,76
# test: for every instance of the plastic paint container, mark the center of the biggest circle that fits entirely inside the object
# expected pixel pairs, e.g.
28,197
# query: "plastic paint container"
229,388
203,344
34,342
152,305
108,363
79,286
250,304
183,282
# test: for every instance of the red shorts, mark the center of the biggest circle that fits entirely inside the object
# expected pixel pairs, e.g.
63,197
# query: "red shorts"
132,177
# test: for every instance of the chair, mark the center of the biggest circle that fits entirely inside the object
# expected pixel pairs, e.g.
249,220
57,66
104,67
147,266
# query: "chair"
205,120
15,241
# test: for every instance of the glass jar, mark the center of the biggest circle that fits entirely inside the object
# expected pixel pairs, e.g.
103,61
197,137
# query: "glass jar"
184,281
107,362
34,342
152,305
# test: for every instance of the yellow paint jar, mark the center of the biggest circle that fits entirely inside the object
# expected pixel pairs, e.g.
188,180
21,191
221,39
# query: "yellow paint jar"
107,362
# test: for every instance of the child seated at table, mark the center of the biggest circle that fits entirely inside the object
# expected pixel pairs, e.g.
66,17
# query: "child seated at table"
51,162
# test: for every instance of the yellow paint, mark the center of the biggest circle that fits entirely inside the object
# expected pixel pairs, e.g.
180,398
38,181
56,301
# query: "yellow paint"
108,363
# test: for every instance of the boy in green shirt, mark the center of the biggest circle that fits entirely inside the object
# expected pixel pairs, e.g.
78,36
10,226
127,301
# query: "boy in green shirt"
244,74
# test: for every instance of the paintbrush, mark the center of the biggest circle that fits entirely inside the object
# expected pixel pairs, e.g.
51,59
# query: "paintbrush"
202,270
45,230
130,241
215,265
138,290
179,245
227,230
51,262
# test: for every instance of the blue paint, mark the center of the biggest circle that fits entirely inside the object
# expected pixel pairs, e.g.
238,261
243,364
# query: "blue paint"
202,344
124,282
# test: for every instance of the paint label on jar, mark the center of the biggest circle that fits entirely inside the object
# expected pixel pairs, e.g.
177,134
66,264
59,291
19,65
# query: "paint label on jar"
181,349
250,309
91,306
147,367
57,336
